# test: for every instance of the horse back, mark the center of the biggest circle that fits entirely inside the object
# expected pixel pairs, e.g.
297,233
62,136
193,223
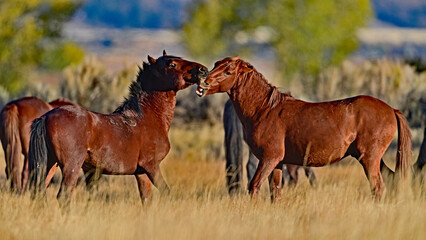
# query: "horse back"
373,113
323,131
30,108
25,110
67,127
106,141
60,102
353,114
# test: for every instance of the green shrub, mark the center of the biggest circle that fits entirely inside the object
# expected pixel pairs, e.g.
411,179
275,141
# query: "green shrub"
61,55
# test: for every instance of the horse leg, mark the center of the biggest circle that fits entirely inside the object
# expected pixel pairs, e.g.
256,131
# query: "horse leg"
144,185
25,140
233,173
91,178
69,181
52,170
371,167
14,152
286,175
275,183
388,175
263,171
311,176
25,174
251,166
294,175
157,179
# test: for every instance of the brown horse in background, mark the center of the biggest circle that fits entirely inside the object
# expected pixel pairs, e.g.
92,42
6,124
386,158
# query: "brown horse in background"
281,129
15,122
132,140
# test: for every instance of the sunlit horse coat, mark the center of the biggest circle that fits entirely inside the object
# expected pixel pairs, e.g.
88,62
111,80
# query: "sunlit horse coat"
234,155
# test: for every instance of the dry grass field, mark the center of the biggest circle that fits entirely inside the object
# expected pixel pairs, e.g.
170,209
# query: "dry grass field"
198,207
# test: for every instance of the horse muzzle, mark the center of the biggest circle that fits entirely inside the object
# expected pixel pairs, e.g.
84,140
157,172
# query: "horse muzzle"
202,89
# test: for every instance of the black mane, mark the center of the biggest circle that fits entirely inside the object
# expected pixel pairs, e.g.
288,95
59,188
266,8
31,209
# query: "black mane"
135,91
136,88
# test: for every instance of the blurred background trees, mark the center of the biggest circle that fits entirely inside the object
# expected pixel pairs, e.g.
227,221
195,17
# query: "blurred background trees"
31,36
304,36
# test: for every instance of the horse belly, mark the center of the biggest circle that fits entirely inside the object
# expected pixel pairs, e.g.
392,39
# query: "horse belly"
315,155
113,162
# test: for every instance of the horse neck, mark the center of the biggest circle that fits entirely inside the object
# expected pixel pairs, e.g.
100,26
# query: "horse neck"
160,104
250,95
152,105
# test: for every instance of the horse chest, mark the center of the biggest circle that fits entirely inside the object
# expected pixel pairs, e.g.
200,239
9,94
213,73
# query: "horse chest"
155,149
262,144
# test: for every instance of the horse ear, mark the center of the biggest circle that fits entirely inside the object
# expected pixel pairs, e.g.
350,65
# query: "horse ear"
164,53
151,59
248,65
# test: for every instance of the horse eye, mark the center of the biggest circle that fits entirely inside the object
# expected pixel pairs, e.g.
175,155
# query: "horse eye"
172,65
228,73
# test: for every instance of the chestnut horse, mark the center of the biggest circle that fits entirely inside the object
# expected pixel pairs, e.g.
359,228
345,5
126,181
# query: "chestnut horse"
132,140
234,155
15,121
281,129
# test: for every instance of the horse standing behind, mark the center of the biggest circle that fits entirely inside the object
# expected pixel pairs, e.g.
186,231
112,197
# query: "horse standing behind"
132,140
15,121
421,160
281,129
234,155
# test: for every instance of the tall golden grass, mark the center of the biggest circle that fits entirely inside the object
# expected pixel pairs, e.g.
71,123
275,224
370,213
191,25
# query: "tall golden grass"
198,207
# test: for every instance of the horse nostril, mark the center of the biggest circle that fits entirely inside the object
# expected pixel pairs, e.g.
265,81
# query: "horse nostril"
206,83
203,71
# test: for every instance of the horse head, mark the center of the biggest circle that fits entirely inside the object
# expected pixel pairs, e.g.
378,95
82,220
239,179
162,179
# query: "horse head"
223,76
168,73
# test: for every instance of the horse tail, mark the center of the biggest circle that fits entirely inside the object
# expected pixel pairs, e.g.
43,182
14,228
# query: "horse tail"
37,155
403,155
12,143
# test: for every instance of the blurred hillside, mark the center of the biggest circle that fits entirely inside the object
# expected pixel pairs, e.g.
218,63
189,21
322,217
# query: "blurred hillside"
401,13
128,31
170,13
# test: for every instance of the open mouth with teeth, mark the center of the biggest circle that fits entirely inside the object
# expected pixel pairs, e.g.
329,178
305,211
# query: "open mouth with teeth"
199,91
202,86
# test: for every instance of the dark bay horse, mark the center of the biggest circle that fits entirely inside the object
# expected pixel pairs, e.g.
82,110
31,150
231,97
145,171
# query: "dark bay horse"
281,129
15,122
132,140
234,155
421,160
